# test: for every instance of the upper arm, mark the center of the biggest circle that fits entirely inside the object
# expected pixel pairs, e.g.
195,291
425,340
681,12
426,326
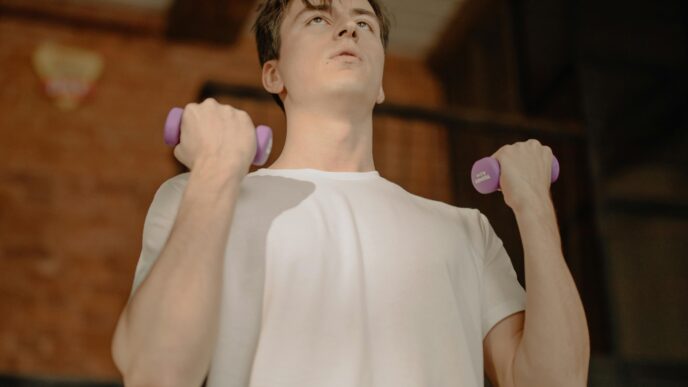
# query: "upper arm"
499,349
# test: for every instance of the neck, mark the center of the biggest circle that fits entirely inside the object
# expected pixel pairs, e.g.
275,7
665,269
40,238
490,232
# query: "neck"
327,141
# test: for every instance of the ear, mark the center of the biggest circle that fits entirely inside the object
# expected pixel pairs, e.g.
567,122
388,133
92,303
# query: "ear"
272,80
380,96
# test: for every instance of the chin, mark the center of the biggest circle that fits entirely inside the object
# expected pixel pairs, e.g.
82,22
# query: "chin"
355,95
350,86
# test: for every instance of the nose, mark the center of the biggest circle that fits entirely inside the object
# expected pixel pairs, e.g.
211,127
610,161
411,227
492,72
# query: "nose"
348,30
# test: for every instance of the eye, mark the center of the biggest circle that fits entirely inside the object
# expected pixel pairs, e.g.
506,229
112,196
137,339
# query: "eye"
364,24
317,20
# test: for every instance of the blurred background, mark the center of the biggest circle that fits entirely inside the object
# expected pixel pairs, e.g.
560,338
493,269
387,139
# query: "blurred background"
85,86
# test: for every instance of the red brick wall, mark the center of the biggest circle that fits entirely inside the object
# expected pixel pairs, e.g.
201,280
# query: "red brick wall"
75,186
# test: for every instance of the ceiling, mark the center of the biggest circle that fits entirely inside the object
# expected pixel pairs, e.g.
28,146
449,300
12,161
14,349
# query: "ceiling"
415,24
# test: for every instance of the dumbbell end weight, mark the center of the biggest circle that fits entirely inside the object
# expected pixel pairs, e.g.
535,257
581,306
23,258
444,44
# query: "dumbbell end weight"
485,174
173,129
264,141
173,126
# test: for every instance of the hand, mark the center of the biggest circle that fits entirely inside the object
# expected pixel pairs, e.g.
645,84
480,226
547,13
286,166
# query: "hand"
526,169
216,133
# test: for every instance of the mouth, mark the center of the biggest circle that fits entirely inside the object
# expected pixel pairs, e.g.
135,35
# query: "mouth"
345,54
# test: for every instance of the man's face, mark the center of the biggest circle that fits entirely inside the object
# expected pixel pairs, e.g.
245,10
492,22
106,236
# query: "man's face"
333,50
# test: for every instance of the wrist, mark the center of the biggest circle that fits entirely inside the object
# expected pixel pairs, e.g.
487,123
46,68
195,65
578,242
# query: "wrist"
217,174
537,221
536,206
219,168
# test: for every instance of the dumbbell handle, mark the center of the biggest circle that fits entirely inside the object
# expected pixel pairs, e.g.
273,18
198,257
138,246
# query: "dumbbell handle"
173,127
485,174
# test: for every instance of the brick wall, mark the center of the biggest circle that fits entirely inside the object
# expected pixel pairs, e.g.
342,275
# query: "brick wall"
75,186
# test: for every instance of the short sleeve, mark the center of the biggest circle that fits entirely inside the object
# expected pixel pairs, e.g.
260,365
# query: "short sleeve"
158,225
501,293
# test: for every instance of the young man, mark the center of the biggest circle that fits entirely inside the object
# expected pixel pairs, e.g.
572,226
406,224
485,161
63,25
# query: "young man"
317,271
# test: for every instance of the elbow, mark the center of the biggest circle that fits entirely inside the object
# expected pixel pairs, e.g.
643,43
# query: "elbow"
142,366
574,376
119,357
139,376
148,380
568,372
138,373
577,375
132,376
117,350
583,365
584,369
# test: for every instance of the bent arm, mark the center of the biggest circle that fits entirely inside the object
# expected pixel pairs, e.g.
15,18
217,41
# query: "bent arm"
167,332
555,348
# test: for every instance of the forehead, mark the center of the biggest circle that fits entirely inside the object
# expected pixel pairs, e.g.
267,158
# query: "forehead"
295,7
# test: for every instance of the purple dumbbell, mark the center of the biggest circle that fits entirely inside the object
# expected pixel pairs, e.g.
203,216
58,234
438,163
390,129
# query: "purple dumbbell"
263,135
485,174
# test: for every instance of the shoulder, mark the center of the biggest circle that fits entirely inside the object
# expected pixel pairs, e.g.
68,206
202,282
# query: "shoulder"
470,222
171,190
169,194
470,219
174,184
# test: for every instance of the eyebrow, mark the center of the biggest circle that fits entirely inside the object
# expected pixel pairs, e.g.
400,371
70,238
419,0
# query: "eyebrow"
328,8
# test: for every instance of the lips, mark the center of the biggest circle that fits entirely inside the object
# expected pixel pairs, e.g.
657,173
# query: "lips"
346,52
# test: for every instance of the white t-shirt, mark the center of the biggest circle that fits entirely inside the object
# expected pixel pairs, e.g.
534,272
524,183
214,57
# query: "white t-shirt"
344,279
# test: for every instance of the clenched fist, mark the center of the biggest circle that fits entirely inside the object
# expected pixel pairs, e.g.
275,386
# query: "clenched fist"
526,169
216,133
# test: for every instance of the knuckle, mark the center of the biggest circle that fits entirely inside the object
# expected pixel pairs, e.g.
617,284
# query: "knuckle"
225,110
229,109
244,116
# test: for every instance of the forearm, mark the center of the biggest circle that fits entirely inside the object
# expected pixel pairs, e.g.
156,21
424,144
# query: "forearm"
170,325
554,348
